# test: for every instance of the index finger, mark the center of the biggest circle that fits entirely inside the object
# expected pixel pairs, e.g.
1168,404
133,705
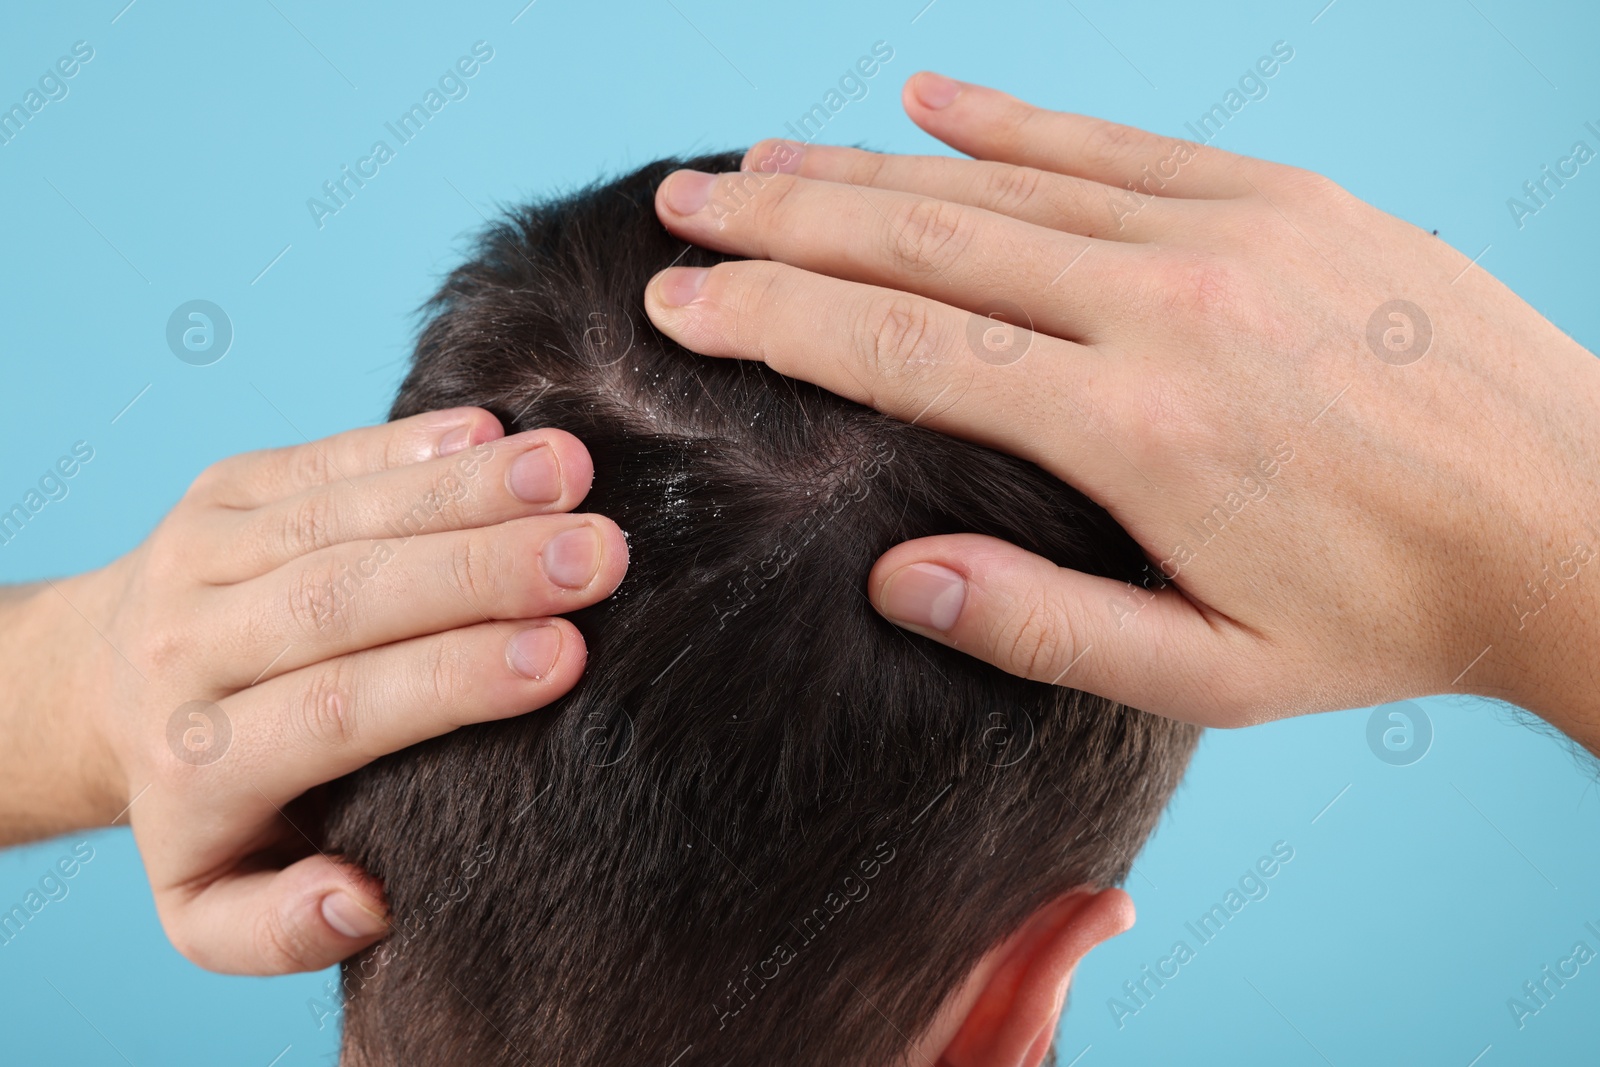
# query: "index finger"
984,378
253,479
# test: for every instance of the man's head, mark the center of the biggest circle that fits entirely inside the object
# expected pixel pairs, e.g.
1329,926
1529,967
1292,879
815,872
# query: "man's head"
767,826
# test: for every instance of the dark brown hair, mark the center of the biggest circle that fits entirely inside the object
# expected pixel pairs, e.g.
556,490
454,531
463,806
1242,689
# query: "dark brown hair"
766,826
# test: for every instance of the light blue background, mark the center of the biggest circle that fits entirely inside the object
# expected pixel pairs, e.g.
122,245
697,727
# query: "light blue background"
179,167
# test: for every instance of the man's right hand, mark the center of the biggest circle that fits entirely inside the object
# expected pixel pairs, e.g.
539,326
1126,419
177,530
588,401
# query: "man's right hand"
1367,468
301,612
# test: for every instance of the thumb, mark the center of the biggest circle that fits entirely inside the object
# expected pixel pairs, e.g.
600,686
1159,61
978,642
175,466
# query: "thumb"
308,916
1150,649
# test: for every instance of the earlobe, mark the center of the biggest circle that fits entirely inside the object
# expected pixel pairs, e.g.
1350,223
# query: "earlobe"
1007,1012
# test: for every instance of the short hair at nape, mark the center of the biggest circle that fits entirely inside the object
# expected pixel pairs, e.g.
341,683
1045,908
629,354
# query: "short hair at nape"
766,827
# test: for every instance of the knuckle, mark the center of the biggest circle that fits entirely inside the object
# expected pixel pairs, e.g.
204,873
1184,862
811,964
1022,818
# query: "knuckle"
309,465
164,650
169,557
770,193
752,296
1313,200
1164,420
1037,642
474,568
421,512
317,600
900,335
163,642
448,499
1200,289
1301,183
1338,203
1012,189
307,525
279,946
1107,143
209,485
324,708
1020,128
398,447
446,679
872,167
929,235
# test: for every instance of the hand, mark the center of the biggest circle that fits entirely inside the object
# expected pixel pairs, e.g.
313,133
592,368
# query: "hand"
1362,469
299,613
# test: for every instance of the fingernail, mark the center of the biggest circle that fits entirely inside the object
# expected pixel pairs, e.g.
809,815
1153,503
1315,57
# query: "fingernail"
533,653
456,440
688,190
935,90
347,915
924,594
572,557
777,157
680,285
535,476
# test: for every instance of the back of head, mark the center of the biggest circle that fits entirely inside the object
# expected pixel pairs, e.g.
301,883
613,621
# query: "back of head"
766,826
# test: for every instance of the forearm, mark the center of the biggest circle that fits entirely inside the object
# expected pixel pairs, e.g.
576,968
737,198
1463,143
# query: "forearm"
53,774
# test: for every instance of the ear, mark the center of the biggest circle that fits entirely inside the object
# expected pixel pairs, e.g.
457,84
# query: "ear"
1005,1014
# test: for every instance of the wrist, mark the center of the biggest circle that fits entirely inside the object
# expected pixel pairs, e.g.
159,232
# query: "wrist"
1559,646
56,761
1547,656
